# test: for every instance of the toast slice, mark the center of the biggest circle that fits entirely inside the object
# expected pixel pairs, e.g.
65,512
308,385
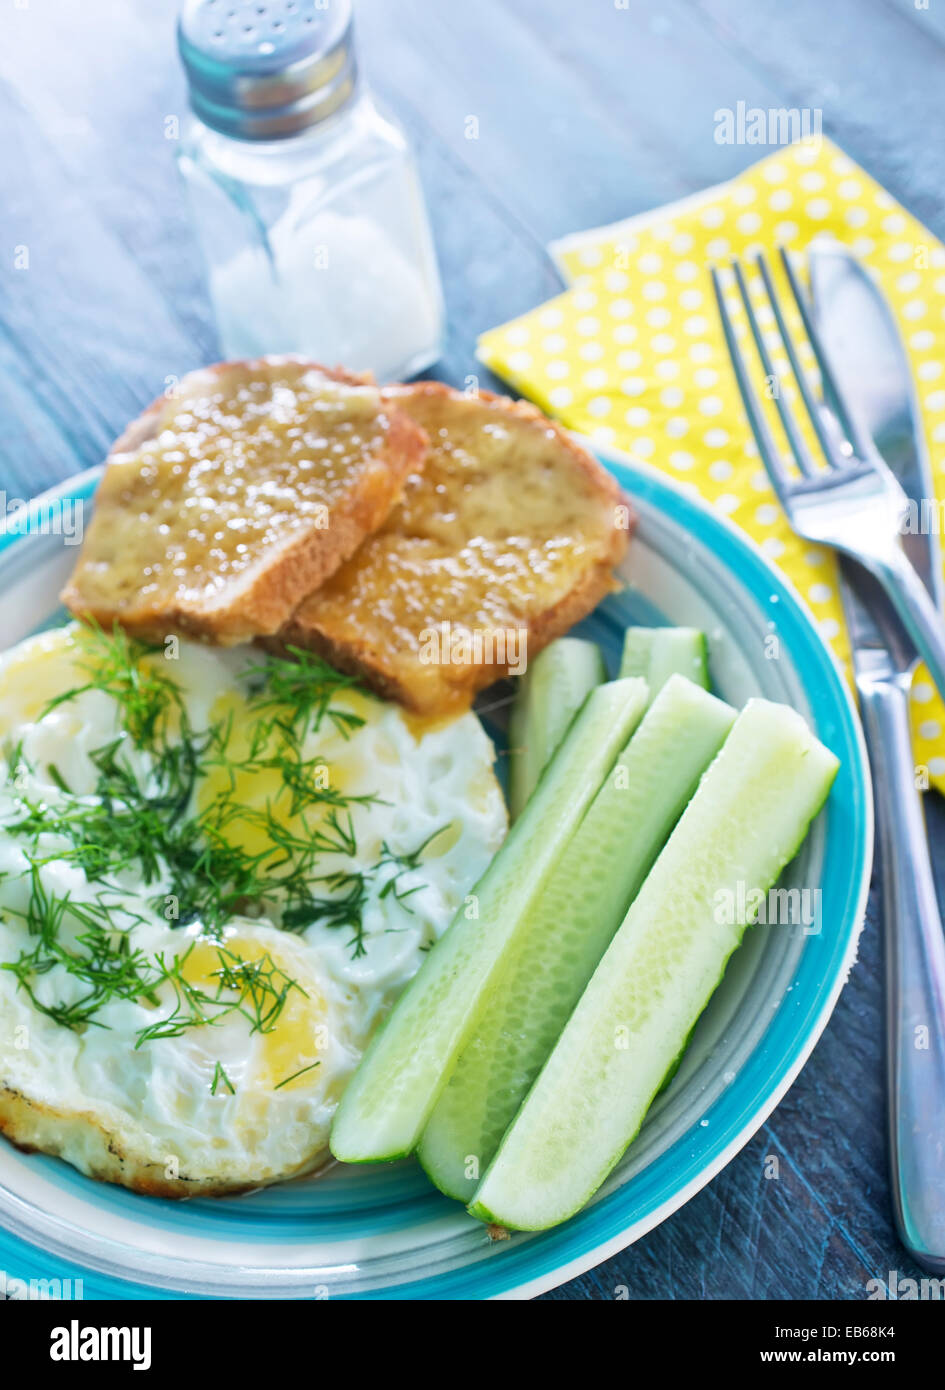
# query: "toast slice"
224,505
505,540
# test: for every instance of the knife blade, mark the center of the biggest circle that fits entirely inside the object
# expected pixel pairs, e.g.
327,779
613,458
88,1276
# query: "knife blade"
873,374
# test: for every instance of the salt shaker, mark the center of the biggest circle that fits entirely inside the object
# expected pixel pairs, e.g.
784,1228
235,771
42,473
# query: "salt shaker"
306,199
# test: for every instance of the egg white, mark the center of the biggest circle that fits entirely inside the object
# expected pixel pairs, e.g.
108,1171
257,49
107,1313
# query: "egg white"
226,1107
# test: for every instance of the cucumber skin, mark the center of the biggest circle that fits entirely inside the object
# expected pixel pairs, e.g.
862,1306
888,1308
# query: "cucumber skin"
561,676
656,653
655,741
478,1208
629,705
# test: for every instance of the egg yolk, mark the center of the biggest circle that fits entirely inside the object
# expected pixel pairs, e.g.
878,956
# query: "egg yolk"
292,1043
37,673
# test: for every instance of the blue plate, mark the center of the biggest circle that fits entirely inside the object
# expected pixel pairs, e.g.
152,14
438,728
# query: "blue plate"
383,1232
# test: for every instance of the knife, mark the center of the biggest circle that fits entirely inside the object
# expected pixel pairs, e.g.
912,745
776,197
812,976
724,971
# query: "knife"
871,390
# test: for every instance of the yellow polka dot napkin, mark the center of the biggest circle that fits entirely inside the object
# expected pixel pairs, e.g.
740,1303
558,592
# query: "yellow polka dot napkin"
633,355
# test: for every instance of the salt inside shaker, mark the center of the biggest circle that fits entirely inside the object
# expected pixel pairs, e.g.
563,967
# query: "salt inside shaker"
306,199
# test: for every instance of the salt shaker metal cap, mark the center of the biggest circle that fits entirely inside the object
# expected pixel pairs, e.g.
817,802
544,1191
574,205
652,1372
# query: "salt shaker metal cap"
267,69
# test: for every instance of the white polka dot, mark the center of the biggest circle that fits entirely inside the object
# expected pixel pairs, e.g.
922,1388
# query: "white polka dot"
928,371
588,326
811,181
681,243
555,342
721,470
595,378
681,460
829,629
677,426
624,333
686,271
780,200
766,515
727,503
814,558
935,400
616,281
922,692
621,309
902,251
749,222
560,397
650,263
691,299
787,232
671,396
517,336
743,194
628,359
856,217
590,352
653,289
520,361
908,282
711,405
922,340
590,255
930,728
604,434
599,405
820,593
914,309
849,188
760,481
556,370
719,247
643,448
773,547
695,325
637,415
585,299
633,385
550,318
705,377
937,767
700,352
818,209
658,318
715,439
894,224
775,171
712,217
666,369
662,342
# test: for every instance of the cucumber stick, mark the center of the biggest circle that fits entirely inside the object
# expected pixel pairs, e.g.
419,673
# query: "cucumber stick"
656,653
569,928
389,1099
549,695
745,822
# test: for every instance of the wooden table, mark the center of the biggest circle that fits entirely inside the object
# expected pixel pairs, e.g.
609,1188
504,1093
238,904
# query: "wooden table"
588,110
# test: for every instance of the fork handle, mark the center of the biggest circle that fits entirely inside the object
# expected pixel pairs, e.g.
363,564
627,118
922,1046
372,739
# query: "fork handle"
924,624
915,979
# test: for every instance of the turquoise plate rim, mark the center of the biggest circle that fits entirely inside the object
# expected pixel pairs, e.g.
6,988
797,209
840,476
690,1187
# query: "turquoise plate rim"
599,1231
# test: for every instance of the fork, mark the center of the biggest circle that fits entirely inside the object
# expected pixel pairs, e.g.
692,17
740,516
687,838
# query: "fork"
849,500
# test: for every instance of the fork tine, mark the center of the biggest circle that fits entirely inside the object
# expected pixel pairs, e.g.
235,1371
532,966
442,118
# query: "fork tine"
810,400
803,456
854,435
767,448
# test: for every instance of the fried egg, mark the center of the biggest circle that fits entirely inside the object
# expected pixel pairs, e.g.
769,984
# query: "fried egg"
217,873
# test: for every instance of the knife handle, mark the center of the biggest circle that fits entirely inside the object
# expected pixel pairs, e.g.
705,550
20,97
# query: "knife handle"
920,617
915,979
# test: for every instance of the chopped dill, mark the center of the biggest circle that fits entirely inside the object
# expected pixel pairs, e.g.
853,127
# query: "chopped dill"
220,1078
151,822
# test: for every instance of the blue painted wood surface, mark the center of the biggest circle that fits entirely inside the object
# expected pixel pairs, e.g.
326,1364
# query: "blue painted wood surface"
588,110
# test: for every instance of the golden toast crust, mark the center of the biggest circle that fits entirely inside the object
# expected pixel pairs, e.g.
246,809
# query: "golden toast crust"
298,554
503,482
